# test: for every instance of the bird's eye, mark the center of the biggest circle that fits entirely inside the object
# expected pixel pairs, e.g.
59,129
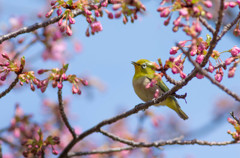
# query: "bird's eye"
144,66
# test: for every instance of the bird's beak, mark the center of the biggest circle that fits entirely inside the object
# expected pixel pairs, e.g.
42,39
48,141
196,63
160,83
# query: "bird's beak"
134,63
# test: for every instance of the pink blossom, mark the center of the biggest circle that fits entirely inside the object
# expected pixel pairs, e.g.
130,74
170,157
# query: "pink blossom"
199,76
218,77
96,26
174,50
193,52
56,51
196,10
198,27
234,51
97,14
165,12
200,58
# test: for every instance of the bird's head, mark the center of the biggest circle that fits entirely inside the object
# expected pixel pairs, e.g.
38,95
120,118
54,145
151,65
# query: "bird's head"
144,67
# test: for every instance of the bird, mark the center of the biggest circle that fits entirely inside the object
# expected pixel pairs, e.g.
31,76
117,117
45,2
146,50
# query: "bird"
144,73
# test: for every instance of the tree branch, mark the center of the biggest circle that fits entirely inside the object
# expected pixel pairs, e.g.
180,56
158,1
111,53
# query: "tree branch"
205,23
36,26
228,27
12,85
63,115
205,73
106,151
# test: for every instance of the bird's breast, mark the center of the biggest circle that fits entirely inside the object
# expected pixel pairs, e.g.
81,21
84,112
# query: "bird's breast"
144,93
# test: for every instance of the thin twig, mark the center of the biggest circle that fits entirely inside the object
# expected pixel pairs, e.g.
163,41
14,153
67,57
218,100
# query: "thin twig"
228,27
205,23
106,151
36,26
24,48
215,34
63,115
167,142
234,117
132,111
205,73
1,155
9,143
12,85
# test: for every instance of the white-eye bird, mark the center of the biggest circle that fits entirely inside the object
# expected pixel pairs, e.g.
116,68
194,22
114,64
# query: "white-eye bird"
144,73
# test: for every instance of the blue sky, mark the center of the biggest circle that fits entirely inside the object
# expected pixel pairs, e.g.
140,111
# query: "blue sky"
107,56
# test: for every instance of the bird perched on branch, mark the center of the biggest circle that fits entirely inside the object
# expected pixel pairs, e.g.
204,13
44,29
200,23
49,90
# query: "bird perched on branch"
146,88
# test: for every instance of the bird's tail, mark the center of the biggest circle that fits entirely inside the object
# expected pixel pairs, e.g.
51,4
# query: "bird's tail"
172,103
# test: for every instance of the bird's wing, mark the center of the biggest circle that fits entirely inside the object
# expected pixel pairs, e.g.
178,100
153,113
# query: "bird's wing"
161,85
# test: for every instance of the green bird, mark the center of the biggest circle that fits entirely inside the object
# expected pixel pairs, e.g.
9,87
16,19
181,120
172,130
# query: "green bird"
144,73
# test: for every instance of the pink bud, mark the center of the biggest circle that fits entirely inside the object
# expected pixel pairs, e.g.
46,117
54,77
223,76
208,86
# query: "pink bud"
48,14
110,15
238,2
60,22
174,50
116,6
171,58
69,31
105,3
4,55
97,14
74,89
41,71
54,84
84,82
226,4
232,4
62,28
200,58
71,20
165,12
96,26
196,10
53,2
54,151
231,72
64,76
32,87
228,61
234,51
198,27
210,67
175,70
182,75
177,22
59,11
156,94
199,76
166,22
209,15
118,14
218,77
59,85
193,52
160,9
87,12
183,12
207,3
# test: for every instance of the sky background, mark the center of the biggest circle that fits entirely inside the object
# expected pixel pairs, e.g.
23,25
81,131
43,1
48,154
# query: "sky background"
107,56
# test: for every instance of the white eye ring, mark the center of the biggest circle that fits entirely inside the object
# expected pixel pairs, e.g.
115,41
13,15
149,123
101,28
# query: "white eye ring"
144,65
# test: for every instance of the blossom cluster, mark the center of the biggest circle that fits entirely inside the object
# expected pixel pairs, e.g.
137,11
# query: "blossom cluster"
235,135
7,66
121,7
56,76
